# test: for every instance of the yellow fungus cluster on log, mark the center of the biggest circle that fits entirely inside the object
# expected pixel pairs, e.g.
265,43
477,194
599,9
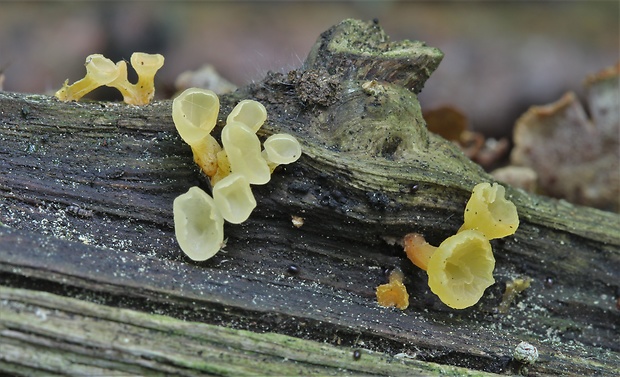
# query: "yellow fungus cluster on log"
461,268
232,168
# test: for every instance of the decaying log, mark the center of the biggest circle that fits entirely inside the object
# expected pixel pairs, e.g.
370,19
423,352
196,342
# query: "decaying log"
88,257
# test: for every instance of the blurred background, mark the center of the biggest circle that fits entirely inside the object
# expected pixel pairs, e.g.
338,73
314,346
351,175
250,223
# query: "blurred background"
500,57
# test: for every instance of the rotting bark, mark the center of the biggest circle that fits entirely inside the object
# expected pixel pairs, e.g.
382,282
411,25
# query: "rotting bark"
370,173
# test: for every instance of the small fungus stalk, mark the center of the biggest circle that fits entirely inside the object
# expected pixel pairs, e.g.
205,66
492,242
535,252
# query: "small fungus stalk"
223,167
513,288
99,71
418,250
205,154
145,65
394,293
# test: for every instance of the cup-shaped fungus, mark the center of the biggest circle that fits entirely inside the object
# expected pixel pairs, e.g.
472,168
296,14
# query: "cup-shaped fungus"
489,212
99,71
461,269
243,149
393,293
282,149
198,224
145,65
233,197
194,113
251,113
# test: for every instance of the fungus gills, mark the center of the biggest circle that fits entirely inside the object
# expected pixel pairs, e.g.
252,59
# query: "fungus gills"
231,169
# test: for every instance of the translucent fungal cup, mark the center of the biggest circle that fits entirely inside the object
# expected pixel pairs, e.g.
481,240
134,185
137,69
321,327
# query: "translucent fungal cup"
244,153
99,71
146,66
489,212
461,269
198,224
233,197
194,113
282,149
251,114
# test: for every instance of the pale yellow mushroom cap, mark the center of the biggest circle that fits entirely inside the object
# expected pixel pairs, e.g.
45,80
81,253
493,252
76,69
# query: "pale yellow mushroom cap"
282,149
251,113
99,71
194,113
198,224
489,212
146,65
233,197
243,149
461,269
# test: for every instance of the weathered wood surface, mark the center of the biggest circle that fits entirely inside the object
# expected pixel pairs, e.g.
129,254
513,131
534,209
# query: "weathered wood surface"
370,173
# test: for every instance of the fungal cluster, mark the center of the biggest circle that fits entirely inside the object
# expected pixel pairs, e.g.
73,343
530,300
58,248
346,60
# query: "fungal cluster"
461,267
101,71
231,167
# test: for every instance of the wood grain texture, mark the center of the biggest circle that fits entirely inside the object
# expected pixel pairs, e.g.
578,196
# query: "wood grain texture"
370,173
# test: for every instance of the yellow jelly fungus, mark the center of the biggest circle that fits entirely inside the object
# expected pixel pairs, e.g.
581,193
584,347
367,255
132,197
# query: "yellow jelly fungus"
282,149
99,71
198,224
242,147
198,217
233,197
393,293
513,288
205,154
223,168
250,113
489,212
146,66
461,269
194,113
418,250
